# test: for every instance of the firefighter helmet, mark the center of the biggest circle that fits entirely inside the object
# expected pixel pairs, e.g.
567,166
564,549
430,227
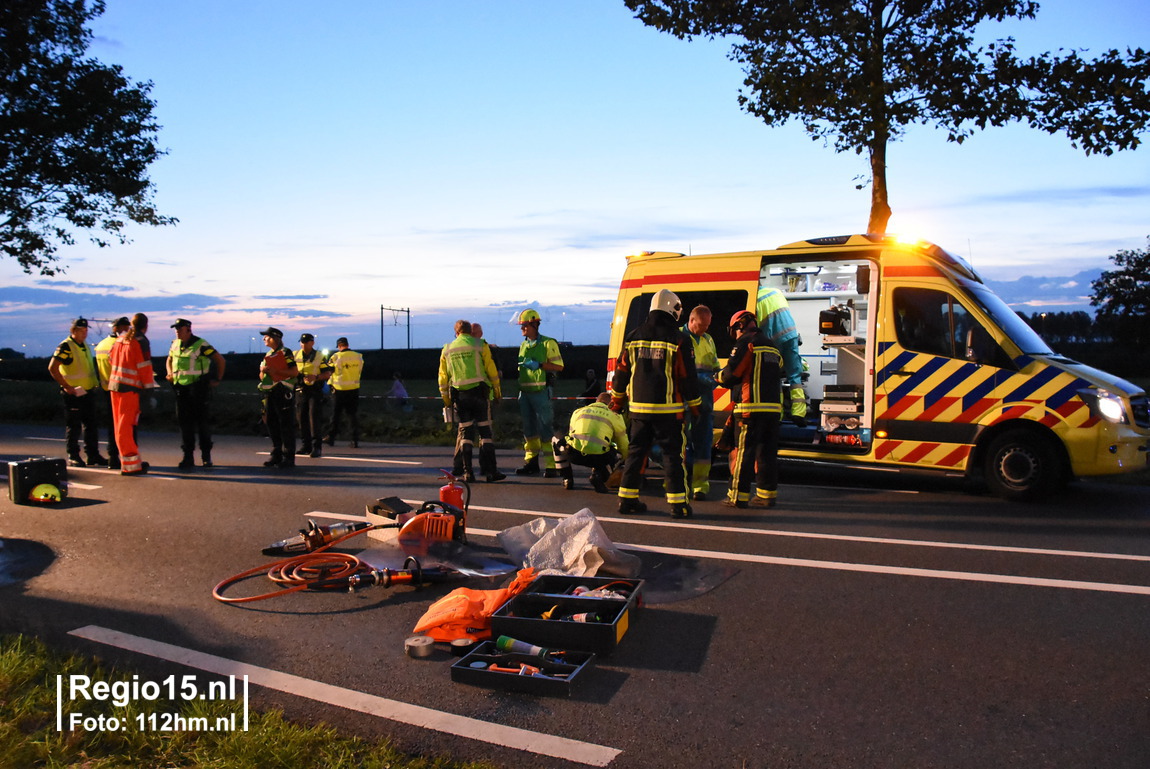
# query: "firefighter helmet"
737,321
667,301
44,493
528,316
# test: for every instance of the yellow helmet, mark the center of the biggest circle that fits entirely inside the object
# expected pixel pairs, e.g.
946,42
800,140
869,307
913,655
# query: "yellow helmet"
528,316
45,493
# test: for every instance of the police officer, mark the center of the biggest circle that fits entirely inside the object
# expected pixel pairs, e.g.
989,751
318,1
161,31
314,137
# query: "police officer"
104,369
189,366
469,380
346,370
597,439
753,375
538,356
278,373
655,372
73,366
314,371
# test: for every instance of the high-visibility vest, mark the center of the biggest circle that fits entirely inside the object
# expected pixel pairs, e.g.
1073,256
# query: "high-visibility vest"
281,360
706,357
346,369
311,364
81,370
774,316
188,363
465,363
543,349
103,364
595,428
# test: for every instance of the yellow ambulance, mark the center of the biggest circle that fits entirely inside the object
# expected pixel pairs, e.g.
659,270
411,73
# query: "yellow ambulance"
913,363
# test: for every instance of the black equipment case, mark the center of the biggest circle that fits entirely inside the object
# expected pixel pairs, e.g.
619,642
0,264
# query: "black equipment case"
26,474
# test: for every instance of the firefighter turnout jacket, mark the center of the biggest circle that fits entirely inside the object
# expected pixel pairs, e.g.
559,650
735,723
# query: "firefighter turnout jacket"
656,369
753,374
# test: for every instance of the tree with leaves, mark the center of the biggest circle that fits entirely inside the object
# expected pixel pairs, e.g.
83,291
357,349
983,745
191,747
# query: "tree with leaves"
1123,297
858,73
76,136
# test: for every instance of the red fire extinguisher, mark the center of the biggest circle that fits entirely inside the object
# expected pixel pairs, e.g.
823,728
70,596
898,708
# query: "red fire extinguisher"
455,492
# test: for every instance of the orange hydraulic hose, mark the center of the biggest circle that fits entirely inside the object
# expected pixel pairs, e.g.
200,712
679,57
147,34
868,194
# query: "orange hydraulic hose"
298,572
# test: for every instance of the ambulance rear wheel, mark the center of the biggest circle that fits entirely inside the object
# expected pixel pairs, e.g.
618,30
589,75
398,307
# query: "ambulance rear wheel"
1022,465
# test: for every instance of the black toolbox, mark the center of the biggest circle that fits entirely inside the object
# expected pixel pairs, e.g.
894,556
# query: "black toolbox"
553,674
590,614
26,474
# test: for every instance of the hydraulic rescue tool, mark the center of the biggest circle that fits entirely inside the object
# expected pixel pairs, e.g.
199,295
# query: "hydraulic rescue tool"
312,566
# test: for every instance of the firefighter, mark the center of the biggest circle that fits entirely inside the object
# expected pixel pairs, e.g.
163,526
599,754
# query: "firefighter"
753,375
131,374
346,370
190,370
73,366
278,374
655,375
702,428
468,380
104,369
597,439
773,313
314,371
538,357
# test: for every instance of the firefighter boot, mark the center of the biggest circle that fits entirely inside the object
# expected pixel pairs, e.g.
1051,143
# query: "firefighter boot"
188,462
681,511
631,507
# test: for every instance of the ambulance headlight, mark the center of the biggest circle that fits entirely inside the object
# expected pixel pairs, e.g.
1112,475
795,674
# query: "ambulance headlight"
1105,404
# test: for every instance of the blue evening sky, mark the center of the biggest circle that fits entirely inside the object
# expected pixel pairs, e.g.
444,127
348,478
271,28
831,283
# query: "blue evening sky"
469,159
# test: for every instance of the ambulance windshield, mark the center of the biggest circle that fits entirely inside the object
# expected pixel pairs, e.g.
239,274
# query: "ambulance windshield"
1027,339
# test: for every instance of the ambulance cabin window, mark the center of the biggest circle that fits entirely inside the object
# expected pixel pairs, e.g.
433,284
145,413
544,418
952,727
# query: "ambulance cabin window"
933,322
723,305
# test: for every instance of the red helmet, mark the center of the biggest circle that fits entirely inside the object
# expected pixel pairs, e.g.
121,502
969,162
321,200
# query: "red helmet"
738,319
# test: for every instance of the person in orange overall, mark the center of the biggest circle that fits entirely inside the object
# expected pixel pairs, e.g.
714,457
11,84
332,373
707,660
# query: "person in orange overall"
131,374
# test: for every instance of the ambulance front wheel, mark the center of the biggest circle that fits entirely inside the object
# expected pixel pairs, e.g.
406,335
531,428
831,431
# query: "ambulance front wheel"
1023,465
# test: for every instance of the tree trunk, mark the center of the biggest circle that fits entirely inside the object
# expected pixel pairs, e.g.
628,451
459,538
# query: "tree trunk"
879,207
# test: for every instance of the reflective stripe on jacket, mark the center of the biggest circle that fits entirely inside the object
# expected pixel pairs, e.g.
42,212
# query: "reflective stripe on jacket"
753,373
346,369
656,368
188,363
595,428
131,366
465,363
543,349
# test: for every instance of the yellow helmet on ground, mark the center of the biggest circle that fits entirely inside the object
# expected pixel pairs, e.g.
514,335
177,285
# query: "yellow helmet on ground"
45,493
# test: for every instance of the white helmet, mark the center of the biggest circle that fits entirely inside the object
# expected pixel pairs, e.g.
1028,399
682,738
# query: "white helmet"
667,301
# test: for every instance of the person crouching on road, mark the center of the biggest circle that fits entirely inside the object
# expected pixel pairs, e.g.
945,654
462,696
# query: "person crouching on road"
131,374
278,375
597,439
753,373
468,380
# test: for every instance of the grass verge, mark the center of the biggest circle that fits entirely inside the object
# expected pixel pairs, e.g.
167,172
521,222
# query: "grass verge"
29,735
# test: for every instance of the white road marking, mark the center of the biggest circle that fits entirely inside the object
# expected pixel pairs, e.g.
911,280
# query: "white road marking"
352,459
836,537
427,718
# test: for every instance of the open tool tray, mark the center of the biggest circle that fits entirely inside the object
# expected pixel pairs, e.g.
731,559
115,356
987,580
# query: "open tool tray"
522,617
557,674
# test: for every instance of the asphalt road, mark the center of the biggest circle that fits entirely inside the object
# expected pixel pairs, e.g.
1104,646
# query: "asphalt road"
868,621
